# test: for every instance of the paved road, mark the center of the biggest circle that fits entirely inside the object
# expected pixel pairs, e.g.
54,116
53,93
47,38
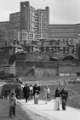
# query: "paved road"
48,111
4,108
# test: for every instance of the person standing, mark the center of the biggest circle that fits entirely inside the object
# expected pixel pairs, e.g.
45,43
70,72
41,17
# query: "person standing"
26,92
57,99
36,92
64,97
30,92
46,93
12,104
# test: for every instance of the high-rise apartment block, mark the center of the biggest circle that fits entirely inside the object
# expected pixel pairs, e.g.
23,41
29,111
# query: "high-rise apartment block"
25,16
41,23
34,20
30,21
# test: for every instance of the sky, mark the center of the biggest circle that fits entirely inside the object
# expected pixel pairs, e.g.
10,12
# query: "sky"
61,11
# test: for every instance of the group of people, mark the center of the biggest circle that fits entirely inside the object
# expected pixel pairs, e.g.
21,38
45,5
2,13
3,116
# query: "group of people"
33,92
30,92
61,96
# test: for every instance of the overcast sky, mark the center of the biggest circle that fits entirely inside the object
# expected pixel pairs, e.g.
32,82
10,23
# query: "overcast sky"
61,11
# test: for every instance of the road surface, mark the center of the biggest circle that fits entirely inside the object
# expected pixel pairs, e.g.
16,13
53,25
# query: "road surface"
49,113
20,114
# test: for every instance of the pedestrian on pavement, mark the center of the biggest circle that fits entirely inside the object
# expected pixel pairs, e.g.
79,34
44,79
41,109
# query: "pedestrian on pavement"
57,99
36,97
26,92
64,97
46,94
30,92
39,87
36,92
12,104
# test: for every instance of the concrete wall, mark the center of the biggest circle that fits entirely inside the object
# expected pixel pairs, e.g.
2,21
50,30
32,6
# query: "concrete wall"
69,69
45,69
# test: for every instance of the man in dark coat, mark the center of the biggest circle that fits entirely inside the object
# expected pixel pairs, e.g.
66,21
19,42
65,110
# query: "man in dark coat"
64,96
57,96
36,88
36,92
26,92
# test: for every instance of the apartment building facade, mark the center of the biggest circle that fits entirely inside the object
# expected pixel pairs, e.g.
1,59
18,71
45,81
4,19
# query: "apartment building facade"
4,33
41,23
65,37
31,24
30,20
